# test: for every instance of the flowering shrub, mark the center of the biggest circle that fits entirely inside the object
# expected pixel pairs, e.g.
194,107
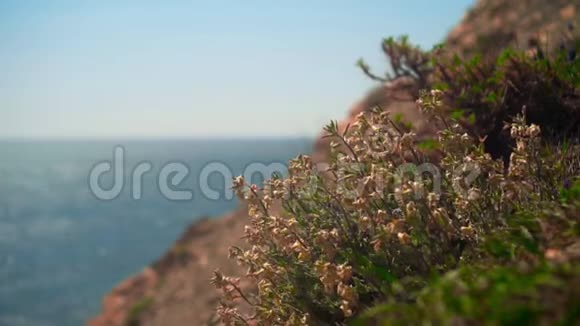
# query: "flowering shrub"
384,234
365,233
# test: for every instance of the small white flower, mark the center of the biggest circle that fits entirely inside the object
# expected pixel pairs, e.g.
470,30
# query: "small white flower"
533,131
473,194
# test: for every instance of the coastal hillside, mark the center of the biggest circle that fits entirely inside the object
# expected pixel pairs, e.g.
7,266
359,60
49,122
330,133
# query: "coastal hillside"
176,290
494,24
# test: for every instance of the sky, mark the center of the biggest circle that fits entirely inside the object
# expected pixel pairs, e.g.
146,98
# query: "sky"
150,69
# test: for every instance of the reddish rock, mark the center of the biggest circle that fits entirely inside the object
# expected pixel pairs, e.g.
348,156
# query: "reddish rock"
494,24
568,12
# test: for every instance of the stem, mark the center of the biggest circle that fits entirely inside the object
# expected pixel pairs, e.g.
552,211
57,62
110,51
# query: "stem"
260,201
347,145
241,294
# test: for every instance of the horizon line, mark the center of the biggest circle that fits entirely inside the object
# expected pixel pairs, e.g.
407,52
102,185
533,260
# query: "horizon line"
153,138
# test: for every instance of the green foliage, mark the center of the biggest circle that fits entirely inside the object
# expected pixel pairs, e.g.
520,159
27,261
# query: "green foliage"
570,192
545,294
405,59
133,317
493,91
523,279
429,144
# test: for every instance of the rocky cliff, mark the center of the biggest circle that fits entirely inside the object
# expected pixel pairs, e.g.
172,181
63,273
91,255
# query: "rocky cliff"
175,290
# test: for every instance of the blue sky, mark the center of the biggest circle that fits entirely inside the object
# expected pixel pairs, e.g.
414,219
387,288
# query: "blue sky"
147,69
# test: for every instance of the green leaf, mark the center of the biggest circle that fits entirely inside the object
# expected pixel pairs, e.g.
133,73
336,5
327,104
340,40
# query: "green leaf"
504,57
571,192
369,267
438,46
441,86
383,274
491,97
471,118
476,60
429,144
498,247
389,40
398,117
457,114
456,60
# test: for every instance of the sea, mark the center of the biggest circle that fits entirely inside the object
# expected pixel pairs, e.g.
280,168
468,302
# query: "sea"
78,217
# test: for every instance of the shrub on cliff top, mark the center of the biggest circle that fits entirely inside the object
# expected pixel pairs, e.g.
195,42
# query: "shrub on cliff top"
405,60
493,91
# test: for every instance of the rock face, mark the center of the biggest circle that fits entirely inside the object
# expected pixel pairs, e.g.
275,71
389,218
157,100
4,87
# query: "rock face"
491,25
176,289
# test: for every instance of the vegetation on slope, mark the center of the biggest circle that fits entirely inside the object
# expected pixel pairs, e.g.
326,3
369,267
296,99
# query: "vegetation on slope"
486,233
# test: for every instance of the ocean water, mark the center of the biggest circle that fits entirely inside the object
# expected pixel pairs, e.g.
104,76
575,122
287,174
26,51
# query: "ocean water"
62,247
